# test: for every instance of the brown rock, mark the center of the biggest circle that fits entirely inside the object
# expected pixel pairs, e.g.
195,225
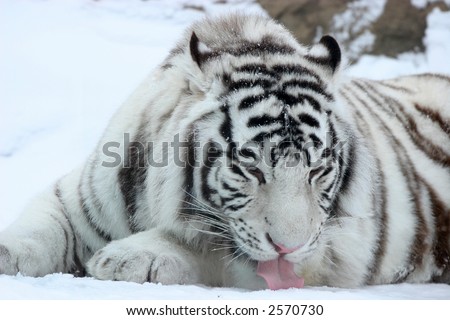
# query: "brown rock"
399,28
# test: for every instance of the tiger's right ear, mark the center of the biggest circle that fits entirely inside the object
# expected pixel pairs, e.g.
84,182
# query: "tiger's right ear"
327,53
199,51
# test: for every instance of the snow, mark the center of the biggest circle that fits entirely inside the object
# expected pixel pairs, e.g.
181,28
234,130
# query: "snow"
65,67
434,59
66,287
354,21
423,3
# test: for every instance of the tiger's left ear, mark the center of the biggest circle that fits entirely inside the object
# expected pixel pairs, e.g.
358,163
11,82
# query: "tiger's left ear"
326,53
199,51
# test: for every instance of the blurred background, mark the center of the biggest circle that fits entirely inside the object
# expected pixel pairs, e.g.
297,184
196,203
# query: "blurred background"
378,27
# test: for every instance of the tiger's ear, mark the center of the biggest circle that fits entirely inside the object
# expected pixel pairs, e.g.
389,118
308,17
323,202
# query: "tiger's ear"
326,53
199,50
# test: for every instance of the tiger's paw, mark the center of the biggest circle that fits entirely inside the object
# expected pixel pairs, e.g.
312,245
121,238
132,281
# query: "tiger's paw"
118,262
7,265
27,259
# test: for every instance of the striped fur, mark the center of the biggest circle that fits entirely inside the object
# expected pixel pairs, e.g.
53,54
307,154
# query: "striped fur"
243,139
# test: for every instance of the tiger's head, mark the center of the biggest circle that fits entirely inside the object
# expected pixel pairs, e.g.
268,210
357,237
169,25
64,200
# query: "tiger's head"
269,134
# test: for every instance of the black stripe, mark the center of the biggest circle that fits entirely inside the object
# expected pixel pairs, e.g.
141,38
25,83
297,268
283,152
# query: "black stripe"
303,84
296,69
312,101
419,246
386,106
258,69
334,204
264,120
307,158
383,220
132,175
266,45
433,151
239,172
434,116
276,71
249,102
76,267
328,189
348,172
334,138
248,153
88,215
227,126
434,75
326,153
325,172
316,141
234,207
260,137
287,99
325,195
395,87
206,189
78,270
308,120
234,196
441,249
246,83
188,184
231,151
228,187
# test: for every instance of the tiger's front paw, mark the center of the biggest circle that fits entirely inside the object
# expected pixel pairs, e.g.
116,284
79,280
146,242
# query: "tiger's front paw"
116,262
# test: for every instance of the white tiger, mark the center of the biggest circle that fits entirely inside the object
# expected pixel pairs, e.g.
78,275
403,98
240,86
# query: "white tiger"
249,160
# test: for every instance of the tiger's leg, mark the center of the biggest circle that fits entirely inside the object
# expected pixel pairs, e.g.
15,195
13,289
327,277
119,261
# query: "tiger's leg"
151,256
40,242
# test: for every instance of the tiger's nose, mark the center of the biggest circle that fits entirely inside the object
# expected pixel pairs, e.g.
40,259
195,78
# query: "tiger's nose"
281,249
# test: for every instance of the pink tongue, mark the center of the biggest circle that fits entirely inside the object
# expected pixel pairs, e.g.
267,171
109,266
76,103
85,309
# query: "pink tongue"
279,274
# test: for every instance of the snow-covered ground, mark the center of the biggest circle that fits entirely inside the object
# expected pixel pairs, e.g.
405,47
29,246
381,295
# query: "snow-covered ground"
65,67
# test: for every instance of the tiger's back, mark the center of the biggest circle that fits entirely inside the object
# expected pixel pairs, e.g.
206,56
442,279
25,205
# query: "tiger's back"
405,121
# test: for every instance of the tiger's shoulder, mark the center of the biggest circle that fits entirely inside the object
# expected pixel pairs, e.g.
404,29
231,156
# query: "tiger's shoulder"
421,97
428,90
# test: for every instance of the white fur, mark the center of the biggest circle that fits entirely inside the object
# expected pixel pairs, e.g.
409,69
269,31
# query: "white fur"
54,230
